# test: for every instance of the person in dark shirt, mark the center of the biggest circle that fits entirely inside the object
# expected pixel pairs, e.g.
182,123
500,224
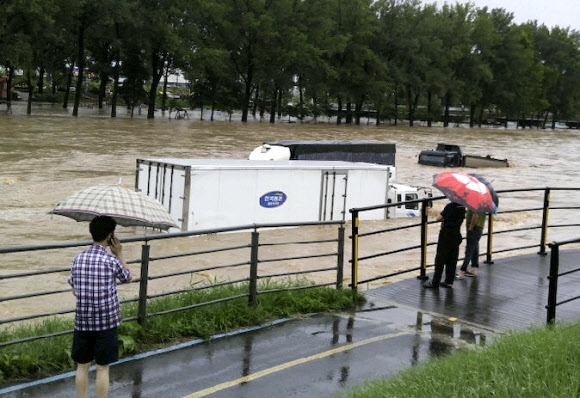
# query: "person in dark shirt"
448,243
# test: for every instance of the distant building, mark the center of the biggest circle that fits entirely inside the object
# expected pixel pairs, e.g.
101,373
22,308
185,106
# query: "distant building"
176,79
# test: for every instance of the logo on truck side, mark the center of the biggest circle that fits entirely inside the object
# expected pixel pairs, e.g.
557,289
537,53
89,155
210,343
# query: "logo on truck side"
273,199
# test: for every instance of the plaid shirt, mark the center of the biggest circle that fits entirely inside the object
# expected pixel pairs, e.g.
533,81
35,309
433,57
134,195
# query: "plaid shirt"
92,277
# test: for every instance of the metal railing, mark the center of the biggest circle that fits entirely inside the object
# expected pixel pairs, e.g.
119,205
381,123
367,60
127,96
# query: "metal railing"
553,278
530,209
532,231
256,251
174,263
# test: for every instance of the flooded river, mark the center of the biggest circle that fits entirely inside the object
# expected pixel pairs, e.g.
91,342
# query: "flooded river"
46,157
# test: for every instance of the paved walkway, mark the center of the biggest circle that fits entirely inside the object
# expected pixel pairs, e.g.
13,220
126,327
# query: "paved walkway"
512,293
401,326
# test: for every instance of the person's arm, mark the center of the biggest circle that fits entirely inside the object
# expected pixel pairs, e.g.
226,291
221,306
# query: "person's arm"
117,250
70,282
443,214
473,221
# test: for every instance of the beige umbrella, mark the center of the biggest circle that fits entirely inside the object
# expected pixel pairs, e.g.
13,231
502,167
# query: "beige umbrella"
128,208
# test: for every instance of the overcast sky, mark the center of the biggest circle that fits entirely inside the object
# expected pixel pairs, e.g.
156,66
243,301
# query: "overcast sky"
564,13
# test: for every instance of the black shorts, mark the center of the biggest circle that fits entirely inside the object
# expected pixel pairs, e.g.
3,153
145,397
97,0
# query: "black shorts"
101,346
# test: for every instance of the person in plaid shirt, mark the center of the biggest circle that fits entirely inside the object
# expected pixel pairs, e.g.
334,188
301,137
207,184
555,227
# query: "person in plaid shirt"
93,279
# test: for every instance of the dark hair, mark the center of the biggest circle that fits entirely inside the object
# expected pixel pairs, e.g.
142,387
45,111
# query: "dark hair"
101,226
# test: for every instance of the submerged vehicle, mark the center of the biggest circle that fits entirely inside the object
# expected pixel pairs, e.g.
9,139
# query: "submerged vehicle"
450,155
367,151
216,193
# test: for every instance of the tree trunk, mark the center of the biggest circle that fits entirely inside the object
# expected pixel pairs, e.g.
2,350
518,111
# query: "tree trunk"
30,92
248,91
429,109
301,103
279,99
164,98
481,115
115,86
357,112
214,91
410,109
348,112
9,87
40,80
396,107
152,98
472,115
81,64
256,101
103,89
68,85
273,107
158,61
446,117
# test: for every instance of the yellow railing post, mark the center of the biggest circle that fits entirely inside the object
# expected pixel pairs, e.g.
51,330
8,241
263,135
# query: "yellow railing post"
545,222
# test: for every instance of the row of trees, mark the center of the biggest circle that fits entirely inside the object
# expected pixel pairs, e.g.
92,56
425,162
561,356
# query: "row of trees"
258,55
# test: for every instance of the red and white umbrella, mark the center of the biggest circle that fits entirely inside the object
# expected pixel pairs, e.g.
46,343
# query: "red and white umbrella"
128,208
471,191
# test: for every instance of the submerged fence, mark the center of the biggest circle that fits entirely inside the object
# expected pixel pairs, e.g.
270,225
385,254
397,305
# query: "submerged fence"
172,263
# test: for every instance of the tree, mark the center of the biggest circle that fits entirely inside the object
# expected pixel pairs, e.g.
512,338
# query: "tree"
455,31
560,60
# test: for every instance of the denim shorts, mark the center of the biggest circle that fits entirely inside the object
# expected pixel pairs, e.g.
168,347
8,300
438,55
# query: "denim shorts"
101,346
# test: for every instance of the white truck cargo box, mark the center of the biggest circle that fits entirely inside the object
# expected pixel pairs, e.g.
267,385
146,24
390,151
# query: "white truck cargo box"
215,193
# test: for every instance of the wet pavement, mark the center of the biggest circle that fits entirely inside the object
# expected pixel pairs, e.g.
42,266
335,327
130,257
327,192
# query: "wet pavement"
401,326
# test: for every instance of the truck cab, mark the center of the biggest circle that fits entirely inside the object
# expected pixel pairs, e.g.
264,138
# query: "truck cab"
399,193
445,155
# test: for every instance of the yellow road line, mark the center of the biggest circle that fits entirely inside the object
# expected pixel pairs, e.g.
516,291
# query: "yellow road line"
287,365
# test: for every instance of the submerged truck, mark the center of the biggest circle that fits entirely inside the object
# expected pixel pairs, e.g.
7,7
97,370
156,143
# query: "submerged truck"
451,155
217,193
366,151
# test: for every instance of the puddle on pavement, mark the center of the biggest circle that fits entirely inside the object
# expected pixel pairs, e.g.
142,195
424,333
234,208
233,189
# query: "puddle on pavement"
449,334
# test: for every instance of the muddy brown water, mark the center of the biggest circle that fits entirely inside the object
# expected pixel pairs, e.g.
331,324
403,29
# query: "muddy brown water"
49,155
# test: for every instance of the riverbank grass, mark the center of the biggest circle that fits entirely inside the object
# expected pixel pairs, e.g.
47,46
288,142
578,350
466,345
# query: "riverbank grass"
542,362
48,356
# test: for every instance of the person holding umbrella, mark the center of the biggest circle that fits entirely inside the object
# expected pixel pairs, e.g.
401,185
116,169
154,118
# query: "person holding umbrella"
467,191
93,279
474,224
448,243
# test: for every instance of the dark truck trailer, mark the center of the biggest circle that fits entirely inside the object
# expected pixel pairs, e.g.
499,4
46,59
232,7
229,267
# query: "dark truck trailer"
367,151
450,155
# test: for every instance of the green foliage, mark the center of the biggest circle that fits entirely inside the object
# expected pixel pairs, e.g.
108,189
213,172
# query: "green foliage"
51,355
49,97
368,54
543,362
